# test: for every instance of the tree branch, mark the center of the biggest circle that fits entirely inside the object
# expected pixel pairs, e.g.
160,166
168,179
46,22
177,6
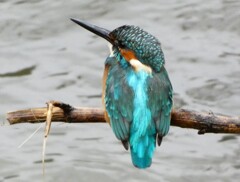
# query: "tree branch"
201,121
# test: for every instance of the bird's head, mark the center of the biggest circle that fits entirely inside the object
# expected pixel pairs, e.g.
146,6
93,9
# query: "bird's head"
132,43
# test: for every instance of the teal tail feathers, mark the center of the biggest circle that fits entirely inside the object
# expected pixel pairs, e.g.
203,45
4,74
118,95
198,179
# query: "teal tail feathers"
142,151
140,162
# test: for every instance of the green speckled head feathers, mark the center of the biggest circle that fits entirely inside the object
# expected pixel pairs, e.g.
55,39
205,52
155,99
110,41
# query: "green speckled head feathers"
146,47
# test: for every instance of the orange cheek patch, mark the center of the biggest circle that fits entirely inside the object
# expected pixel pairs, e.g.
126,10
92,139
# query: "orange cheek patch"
128,54
134,62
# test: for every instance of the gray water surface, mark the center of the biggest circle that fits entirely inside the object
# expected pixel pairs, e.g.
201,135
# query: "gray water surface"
45,56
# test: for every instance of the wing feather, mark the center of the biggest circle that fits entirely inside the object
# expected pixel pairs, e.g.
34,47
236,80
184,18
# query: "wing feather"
118,99
160,100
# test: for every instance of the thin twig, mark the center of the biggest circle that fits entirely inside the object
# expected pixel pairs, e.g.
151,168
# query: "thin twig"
47,130
28,138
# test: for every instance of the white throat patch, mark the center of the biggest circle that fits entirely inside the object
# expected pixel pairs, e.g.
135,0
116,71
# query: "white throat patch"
110,49
137,65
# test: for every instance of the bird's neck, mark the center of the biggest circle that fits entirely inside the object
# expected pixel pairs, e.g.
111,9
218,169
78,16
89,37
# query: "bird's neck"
133,63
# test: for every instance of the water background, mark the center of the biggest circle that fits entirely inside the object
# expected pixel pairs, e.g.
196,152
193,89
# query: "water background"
44,56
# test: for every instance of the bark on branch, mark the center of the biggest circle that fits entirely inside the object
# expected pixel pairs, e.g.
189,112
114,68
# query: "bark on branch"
201,121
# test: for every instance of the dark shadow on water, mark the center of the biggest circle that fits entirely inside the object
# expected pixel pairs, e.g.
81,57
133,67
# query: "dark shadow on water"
59,74
237,166
21,72
25,2
65,84
11,176
227,138
88,139
58,133
54,154
90,96
225,54
46,161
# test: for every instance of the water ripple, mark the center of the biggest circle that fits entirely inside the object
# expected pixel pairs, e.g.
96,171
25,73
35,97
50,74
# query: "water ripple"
19,73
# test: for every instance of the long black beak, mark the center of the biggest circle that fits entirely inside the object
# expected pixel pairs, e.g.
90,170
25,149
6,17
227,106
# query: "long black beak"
95,29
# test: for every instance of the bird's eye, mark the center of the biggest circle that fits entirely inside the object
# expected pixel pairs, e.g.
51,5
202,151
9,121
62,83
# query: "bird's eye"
119,44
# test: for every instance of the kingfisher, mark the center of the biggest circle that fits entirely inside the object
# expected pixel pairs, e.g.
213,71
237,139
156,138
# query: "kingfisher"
136,91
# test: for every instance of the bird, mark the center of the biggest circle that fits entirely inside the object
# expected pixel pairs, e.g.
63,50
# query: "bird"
136,90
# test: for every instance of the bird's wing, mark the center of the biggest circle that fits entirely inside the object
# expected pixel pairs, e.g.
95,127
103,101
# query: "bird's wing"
160,101
118,100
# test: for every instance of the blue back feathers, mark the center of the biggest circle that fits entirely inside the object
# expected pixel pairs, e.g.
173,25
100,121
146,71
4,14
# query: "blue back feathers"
142,132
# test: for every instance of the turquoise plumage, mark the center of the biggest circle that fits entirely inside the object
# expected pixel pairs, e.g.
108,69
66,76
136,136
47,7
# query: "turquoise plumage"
139,106
137,92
